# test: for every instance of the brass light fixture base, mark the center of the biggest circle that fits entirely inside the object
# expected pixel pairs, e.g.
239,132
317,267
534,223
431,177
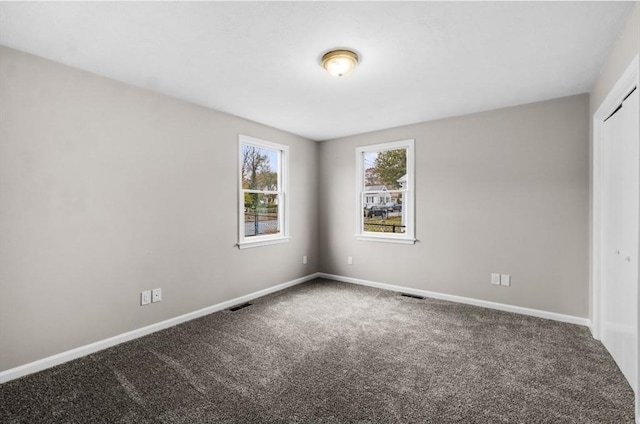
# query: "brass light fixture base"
340,63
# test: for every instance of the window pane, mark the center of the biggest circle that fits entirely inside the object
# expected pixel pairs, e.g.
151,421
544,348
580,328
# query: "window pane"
385,170
259,168
386,217
261,214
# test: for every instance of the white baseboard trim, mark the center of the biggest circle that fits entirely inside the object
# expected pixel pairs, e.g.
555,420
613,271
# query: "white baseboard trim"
69,355
466,300
60,358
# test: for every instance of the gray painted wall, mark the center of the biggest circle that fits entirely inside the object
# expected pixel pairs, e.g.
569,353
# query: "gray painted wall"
107,190
501,191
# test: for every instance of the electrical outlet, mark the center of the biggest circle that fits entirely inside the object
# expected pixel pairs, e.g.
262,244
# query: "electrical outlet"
495,279
145,297
349,260
304,260
156,295
505,280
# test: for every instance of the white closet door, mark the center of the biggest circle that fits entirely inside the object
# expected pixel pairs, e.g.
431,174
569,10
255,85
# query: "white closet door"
620,236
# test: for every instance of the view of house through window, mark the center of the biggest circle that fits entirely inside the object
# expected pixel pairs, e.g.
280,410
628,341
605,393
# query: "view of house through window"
261,189
385,180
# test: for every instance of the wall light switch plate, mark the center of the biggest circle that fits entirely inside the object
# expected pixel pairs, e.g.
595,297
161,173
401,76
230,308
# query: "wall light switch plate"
156,295
495,279
505,280
304,260
145,297
349,260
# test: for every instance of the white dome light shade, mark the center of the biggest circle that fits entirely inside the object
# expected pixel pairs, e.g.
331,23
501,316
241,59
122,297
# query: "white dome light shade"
340,63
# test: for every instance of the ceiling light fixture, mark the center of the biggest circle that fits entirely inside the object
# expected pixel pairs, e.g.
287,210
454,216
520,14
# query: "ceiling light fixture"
340,63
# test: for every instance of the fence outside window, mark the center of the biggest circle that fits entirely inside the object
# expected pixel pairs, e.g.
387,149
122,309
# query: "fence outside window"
383,228
260,222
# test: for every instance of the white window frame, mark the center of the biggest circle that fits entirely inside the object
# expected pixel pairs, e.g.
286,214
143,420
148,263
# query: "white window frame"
408,201
282,192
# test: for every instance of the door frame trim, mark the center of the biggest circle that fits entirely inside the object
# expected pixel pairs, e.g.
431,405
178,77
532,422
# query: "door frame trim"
629,79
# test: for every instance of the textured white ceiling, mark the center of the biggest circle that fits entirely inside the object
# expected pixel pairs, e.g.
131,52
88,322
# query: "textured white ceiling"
419,60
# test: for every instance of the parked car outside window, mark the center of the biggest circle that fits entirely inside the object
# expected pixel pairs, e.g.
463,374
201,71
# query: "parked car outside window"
376,211
393,207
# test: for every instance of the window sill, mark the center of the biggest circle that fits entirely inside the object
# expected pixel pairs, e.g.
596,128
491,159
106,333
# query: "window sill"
260,243
383,239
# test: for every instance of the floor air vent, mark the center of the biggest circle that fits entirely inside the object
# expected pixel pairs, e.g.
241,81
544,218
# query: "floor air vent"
415,296
240,306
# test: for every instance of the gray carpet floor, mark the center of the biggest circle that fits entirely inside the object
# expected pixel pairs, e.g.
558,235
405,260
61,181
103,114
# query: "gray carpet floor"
329,352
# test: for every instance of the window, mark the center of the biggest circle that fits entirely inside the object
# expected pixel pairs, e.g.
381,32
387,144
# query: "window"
263,193
385,192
